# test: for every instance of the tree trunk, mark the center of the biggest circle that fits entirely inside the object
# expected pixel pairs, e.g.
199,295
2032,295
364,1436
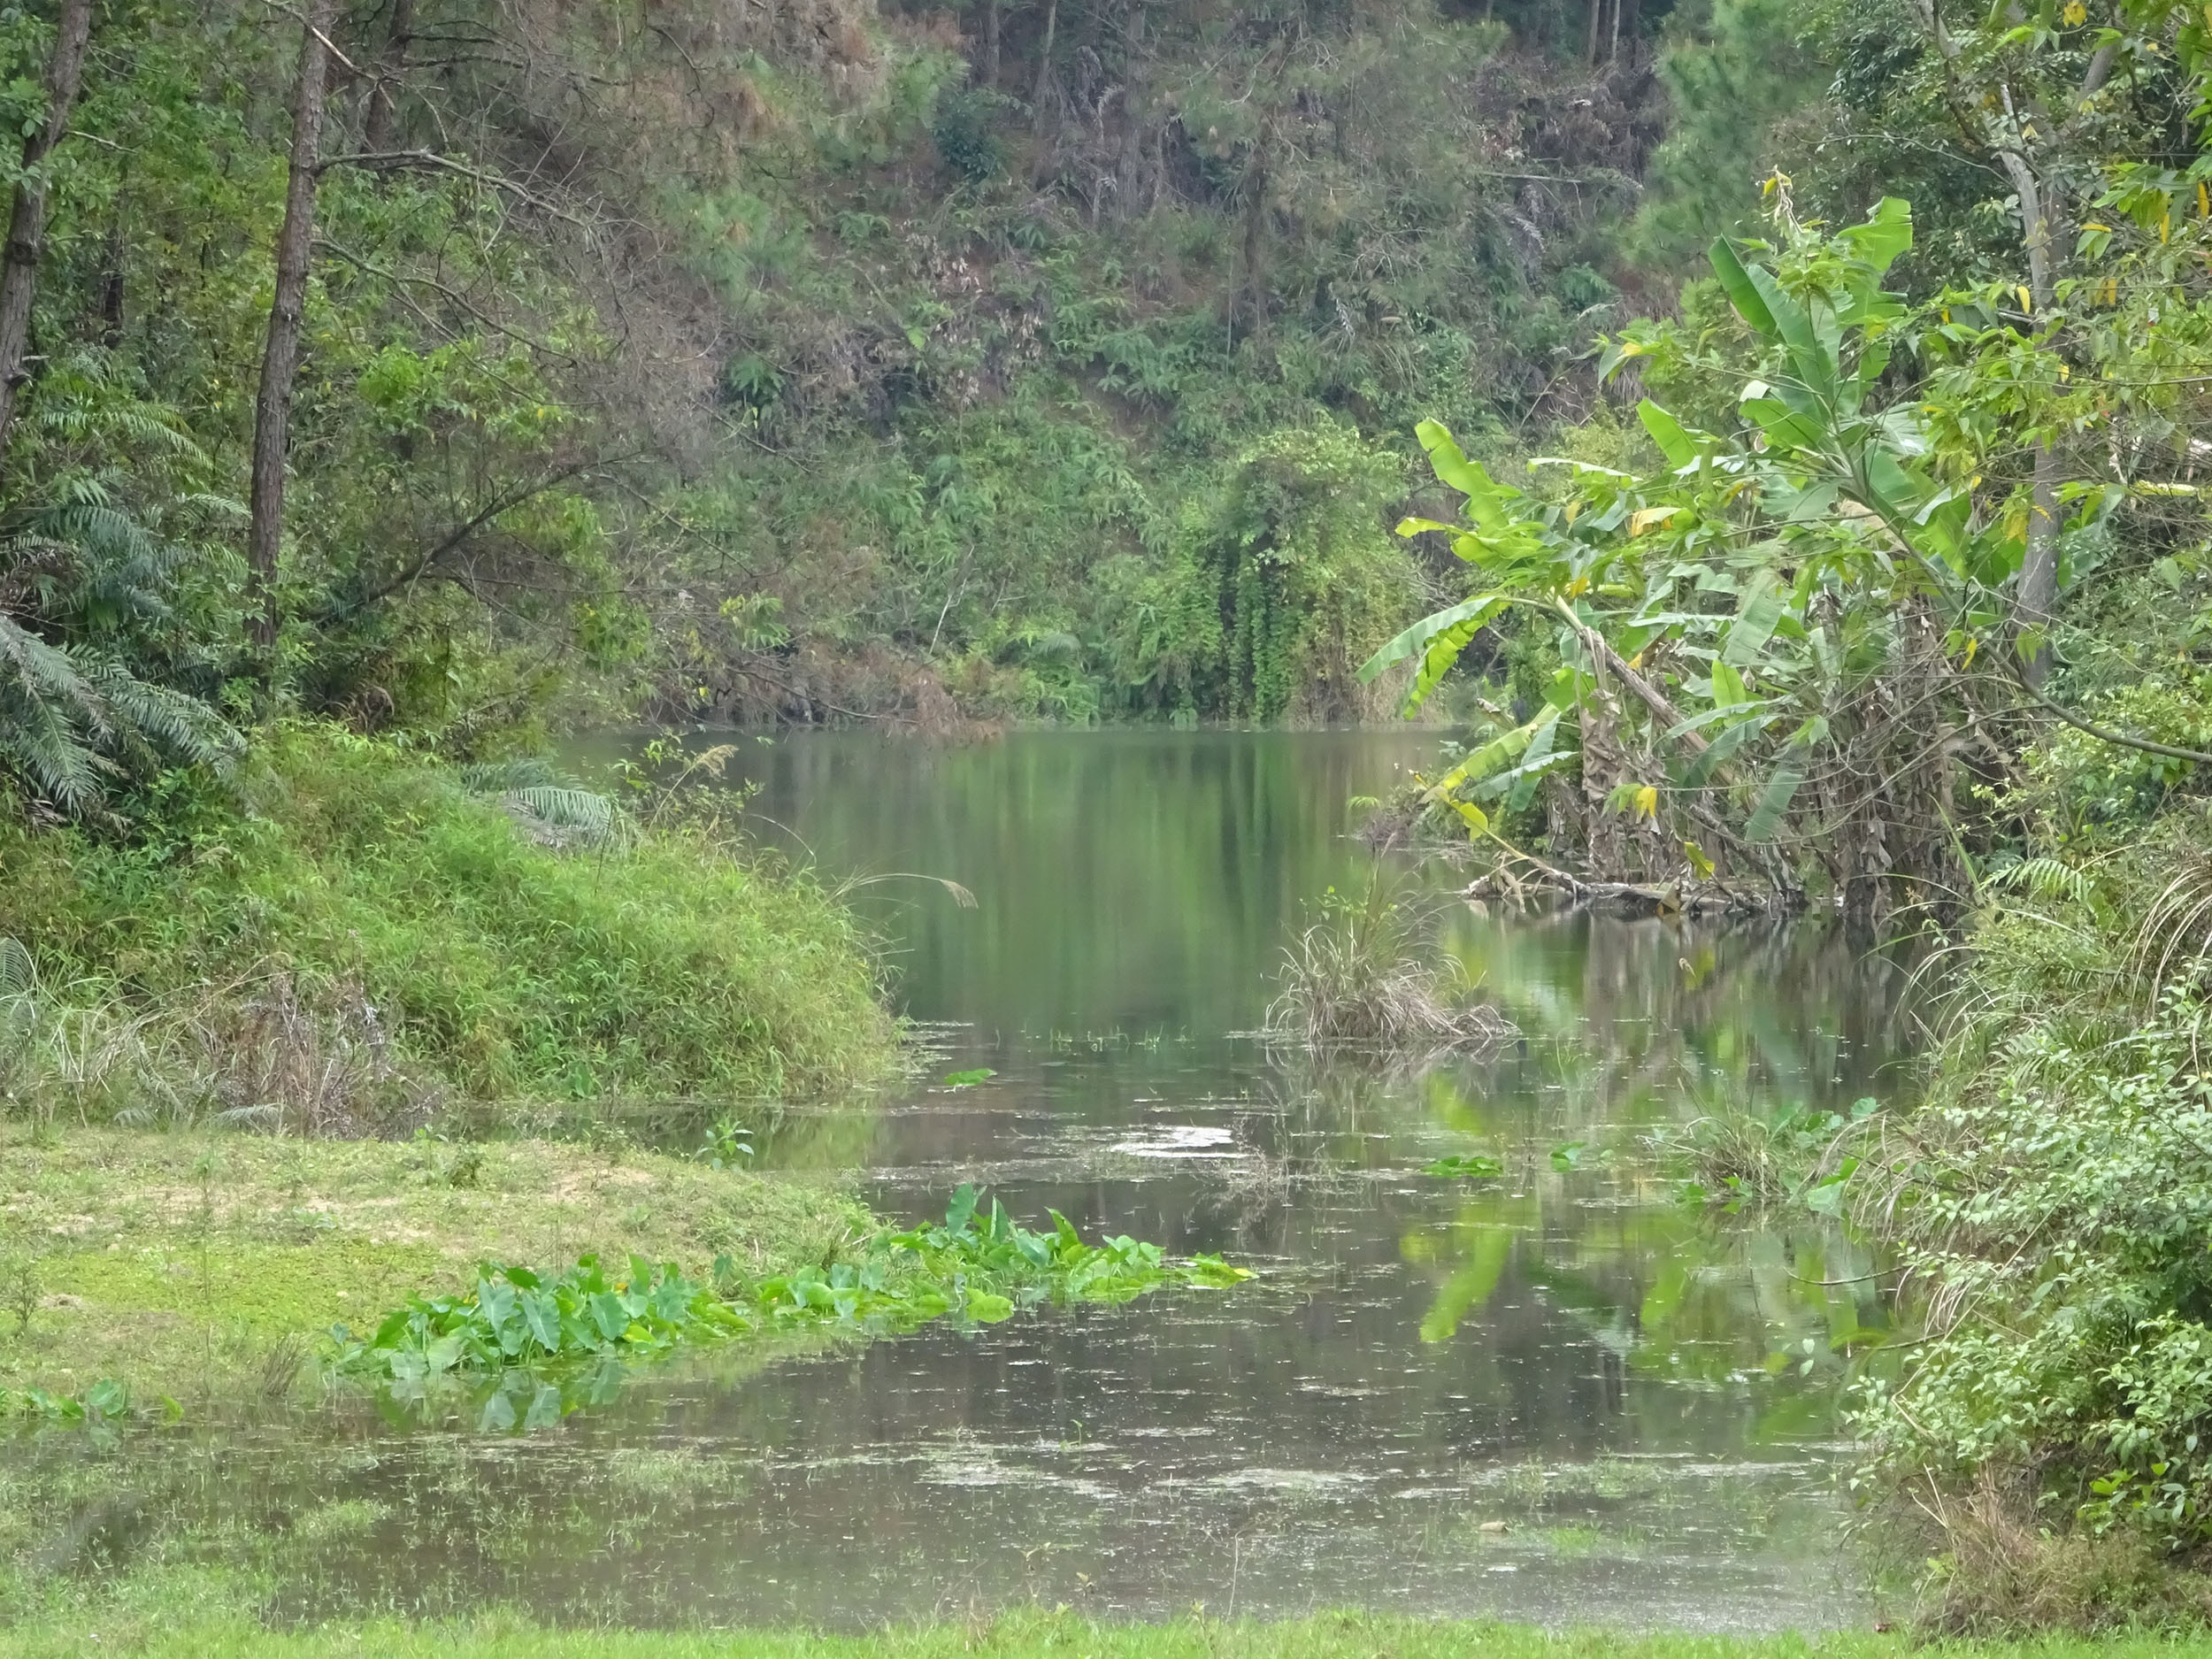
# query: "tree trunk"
990,42
27,226
382,117
272,407
1253,289
1613,35
1044,65
1590,34
2038,564
112,271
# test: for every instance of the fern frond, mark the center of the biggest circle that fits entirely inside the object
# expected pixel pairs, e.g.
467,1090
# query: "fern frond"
19,973
2044,877
497,777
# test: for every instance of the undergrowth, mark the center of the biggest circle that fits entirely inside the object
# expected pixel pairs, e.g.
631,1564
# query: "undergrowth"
516,1321
2051,1431
364,932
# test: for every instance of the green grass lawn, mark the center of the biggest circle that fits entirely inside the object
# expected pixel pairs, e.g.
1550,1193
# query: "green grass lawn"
1060,1635
193,1263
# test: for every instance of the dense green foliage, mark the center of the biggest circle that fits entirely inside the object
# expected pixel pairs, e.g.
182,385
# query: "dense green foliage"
842,358
369,932
519,1320
2050,1200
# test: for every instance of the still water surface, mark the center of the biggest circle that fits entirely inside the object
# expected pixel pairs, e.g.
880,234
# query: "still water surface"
1565,1395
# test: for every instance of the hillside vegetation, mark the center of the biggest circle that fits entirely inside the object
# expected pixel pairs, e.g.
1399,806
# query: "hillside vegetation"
796,358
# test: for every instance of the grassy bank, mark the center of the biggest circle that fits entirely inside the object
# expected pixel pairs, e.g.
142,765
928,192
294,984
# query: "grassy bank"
195,1263
355,934
1326,1636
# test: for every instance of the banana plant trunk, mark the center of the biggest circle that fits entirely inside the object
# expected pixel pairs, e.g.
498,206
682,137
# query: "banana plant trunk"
27,223
279,361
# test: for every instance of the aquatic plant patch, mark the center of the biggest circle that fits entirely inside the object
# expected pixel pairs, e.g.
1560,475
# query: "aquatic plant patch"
102,1402
1464,1166
980,1266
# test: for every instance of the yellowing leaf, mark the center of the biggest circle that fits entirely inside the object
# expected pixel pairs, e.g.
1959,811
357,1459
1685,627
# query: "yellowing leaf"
2027,300
1644,517
1647,799
1578,585
1973,644
1574,510
1478,822
2076,14
2165,225
1699,862
2065,371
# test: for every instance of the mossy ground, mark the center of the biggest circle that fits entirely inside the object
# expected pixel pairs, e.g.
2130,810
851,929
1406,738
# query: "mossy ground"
1033,1636
192,1264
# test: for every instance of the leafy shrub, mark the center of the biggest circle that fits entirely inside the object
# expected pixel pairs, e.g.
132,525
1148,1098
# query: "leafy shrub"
965,132
2050,1204
2058,1213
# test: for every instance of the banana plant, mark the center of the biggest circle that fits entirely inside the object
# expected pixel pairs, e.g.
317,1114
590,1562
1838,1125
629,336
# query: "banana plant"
1730,602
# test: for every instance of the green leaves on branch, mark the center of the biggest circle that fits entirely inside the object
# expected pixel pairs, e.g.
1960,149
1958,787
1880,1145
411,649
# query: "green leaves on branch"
1437,640
1731,603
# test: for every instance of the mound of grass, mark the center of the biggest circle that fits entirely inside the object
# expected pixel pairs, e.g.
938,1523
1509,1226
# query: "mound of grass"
387,897
1365,974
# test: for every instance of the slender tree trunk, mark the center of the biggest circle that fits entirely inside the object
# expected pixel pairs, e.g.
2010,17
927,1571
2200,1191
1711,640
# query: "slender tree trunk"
113,272
990,42
1590,32
272,408
1254,287
1613,35
382,119
1044,63
2038,564
27,226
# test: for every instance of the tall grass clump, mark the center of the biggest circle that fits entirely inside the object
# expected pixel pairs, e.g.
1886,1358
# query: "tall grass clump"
1364,974
360,914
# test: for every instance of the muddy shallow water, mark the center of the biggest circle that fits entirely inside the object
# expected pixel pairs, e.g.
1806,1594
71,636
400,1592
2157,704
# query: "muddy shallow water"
1563,1395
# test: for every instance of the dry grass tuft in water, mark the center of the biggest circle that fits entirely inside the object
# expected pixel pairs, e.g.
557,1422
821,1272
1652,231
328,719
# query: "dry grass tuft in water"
1366,974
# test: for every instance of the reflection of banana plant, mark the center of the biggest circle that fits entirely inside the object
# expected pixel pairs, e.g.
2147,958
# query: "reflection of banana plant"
1672,1298
1473,1282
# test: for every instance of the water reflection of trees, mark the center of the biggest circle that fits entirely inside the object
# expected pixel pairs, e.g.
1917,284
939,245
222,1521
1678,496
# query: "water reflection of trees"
1629,1029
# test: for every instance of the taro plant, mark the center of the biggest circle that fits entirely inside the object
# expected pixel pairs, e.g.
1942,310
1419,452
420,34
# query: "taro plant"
982,1265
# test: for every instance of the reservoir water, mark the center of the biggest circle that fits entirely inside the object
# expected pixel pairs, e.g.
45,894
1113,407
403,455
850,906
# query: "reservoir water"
1566,1394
